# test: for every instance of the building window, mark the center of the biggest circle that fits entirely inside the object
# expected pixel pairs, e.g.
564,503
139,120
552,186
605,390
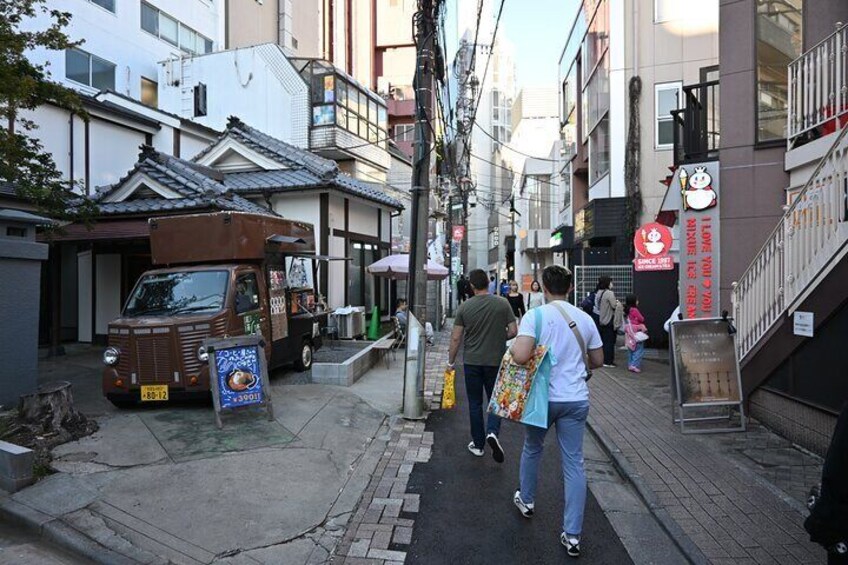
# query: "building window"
404,132
667,97
174,32
566,187
89,70
779,41
105,4
539,203
599,144
149,92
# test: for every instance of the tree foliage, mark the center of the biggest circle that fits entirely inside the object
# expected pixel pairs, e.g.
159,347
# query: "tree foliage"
24,86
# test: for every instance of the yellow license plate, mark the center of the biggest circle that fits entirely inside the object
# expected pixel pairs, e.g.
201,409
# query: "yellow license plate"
154,393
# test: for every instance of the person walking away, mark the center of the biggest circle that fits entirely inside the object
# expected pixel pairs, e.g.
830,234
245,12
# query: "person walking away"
634,323
590,306
516,300
493,286
605,305
504,288
484,322
536,297
828,520
462,292
568,398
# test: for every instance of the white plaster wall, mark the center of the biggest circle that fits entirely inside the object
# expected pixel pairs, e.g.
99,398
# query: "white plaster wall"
107,278
118,37
191,145
362,218
336,247
114,151
257,84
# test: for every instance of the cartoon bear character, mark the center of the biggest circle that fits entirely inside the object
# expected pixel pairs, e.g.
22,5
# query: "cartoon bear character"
700,194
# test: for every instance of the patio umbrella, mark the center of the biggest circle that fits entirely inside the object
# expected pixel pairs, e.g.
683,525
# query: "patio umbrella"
397,267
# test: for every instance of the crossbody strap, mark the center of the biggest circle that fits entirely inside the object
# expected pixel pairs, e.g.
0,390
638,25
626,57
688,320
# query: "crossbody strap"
582,344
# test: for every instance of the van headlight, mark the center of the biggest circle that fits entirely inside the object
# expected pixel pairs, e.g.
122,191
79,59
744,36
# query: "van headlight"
111,355
202,354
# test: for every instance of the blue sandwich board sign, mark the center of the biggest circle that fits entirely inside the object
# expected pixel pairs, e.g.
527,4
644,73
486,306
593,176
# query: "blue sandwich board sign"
238,374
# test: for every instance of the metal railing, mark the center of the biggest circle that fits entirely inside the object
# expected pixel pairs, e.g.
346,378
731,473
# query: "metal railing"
818,86
807,242
696,125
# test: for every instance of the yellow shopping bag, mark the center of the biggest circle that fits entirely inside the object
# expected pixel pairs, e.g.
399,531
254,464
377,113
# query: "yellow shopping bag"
449,390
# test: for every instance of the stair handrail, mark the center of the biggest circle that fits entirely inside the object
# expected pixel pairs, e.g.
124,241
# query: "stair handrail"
774,247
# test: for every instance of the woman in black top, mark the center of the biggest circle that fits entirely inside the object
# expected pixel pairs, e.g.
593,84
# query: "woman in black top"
516,300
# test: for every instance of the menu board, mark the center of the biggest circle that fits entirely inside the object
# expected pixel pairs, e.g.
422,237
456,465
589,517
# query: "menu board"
238,374
277,291
706,370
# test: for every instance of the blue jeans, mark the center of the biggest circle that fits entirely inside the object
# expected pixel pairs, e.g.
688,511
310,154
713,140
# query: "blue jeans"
479,379
570,421
634,358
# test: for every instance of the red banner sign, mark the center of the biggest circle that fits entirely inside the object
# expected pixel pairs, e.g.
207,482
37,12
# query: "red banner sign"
652,243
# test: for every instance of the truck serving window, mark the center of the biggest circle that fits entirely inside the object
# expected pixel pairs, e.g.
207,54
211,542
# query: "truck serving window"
169,294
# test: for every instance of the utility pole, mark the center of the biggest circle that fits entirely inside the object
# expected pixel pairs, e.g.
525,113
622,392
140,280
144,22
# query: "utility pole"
413,379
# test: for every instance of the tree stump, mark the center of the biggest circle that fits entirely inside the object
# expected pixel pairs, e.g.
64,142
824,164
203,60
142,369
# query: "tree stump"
50,408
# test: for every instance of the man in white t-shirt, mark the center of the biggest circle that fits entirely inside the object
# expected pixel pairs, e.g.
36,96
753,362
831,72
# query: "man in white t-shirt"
568,397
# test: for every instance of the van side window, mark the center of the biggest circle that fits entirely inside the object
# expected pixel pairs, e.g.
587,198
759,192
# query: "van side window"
247,293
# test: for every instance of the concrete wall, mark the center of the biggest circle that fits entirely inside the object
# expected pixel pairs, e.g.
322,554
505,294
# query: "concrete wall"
252,23
799,423
752,177
20,273
820,18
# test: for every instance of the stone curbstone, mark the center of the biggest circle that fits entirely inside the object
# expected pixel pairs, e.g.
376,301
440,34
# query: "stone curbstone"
54,530
694,555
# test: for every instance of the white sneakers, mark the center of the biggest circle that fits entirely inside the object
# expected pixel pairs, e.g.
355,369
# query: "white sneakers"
475,451
497,450
525,509
572,544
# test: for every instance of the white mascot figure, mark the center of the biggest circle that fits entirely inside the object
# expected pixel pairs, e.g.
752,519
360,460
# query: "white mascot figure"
700,194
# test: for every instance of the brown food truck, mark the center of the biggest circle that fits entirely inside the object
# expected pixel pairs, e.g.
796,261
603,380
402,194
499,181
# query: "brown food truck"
221,274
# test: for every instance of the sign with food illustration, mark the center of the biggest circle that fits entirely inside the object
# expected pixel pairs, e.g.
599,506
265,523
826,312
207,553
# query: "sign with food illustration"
652,243
699,240
238,373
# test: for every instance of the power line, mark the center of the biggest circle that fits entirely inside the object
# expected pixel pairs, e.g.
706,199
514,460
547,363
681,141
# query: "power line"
505,146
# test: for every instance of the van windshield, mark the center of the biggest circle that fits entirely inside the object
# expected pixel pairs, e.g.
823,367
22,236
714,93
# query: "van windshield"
169,294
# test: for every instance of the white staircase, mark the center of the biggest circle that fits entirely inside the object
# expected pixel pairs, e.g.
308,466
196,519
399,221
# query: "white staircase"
808,242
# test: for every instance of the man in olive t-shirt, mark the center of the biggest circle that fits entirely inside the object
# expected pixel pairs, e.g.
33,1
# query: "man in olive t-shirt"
485,322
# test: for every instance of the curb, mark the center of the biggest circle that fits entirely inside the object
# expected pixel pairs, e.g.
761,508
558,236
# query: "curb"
54,530
667,523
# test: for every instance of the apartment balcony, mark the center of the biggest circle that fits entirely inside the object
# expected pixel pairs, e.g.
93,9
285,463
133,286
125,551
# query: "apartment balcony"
697,132
818,90
401,108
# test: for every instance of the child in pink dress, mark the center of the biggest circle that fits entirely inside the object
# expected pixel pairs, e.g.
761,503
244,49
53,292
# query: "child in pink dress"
634,323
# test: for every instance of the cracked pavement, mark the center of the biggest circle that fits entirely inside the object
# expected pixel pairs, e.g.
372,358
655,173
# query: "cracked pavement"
162,485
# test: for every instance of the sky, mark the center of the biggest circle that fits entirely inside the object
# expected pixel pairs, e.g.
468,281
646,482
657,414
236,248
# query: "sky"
538,30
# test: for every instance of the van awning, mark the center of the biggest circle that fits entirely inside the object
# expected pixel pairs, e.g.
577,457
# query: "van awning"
319,257
286,239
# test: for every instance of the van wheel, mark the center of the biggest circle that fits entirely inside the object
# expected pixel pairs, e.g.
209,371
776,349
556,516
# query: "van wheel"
304,362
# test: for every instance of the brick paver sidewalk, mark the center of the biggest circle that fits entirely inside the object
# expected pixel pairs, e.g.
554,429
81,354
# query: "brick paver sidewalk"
381,527
729,512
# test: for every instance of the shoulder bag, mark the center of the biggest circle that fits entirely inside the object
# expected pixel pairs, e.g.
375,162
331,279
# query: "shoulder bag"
580,342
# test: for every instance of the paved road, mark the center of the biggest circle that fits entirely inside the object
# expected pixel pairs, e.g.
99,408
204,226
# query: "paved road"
21,547
466,513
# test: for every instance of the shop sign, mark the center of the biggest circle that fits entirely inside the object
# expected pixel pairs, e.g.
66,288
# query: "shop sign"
458,233
803,324
555,241
238,374
652,243
699,240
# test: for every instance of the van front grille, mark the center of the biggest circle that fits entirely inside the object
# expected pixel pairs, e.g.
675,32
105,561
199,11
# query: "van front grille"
153,360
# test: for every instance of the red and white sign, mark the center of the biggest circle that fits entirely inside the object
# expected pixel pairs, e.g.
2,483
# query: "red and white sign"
652,243
458,233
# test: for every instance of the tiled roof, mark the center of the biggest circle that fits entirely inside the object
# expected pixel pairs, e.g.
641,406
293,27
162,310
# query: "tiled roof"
280,151
271,180
198,186
298,179
153,205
